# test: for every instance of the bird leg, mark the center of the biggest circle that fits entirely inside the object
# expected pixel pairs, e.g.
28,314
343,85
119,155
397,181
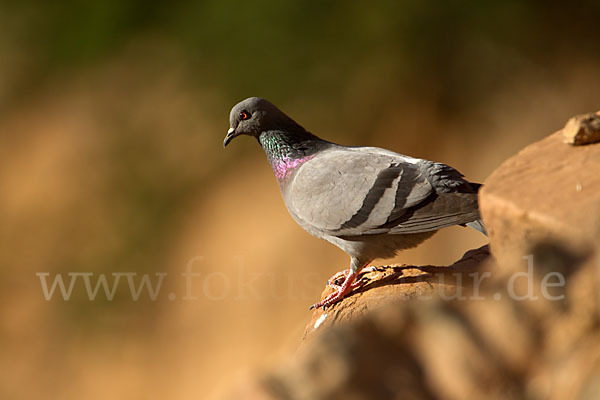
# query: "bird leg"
348,284
336,280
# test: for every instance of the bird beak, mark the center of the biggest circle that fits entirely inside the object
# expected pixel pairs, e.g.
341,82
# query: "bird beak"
230,135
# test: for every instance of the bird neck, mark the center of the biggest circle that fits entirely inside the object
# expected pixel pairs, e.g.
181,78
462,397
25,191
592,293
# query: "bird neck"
286,151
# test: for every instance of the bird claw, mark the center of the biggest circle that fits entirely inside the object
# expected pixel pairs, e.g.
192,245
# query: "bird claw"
329,300
333,281
371,268
341,289
346,287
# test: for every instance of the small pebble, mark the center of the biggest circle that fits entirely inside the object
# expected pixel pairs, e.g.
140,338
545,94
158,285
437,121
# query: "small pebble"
320,320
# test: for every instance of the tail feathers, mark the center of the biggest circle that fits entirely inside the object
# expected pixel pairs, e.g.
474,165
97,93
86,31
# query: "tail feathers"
478,225
476,186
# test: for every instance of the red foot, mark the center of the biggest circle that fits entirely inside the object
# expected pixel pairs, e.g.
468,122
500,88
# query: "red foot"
347,286
337,280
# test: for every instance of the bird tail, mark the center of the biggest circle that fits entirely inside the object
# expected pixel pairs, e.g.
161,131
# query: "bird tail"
478,225
476,186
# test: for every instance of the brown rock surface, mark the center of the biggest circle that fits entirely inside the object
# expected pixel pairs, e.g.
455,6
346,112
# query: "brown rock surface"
582,129
399,282
548,192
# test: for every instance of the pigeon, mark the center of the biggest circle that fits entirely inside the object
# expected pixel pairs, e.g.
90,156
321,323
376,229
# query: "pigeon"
369,202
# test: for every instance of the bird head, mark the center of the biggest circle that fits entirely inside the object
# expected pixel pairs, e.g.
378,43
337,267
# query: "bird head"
254,116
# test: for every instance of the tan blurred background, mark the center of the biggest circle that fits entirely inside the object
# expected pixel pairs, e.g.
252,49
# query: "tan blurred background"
112,116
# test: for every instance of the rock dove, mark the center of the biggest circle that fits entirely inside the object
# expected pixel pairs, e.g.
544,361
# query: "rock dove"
370,202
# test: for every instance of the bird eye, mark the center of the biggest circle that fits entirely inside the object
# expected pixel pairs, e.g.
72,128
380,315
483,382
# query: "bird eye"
244,115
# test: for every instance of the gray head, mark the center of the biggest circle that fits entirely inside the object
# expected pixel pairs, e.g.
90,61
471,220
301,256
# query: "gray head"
254,116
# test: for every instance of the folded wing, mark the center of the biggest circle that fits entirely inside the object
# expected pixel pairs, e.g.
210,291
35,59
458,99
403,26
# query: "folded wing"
363,191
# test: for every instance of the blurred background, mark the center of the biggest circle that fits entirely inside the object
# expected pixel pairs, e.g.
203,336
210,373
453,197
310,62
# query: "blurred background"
112,117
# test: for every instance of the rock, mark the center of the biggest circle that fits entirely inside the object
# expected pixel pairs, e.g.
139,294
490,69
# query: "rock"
399,282
542,212
367,359
582,129
547,193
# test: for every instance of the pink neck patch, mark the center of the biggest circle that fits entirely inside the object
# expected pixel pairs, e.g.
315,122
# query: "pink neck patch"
284,167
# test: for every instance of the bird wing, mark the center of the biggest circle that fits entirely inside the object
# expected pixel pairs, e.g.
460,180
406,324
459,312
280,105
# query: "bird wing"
348,191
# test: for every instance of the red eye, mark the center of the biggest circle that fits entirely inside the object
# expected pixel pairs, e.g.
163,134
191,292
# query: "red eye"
244,115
